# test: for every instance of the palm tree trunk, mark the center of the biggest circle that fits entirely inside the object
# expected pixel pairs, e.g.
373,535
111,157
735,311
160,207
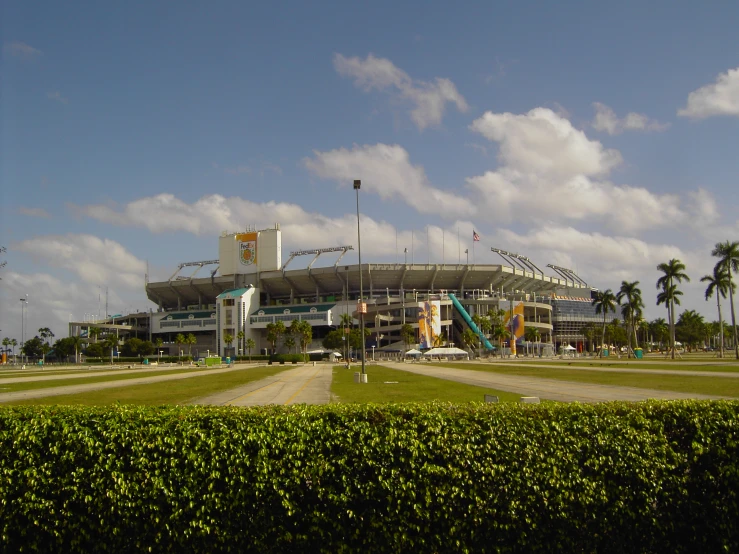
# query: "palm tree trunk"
603,336
628,338
672,329
720,326
733,317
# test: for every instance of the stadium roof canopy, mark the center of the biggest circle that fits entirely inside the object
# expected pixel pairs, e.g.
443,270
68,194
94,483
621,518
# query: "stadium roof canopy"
377,278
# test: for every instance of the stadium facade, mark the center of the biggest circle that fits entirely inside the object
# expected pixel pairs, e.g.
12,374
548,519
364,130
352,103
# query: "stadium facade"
249,287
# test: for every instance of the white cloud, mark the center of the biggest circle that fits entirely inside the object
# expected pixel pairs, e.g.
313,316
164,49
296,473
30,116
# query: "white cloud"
719,98
551,171
387,171
51,303
93,259
21,50
56,95
607,120
213,214
543,141
34,212
381,74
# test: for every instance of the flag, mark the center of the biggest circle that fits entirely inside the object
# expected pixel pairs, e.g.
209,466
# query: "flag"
475,236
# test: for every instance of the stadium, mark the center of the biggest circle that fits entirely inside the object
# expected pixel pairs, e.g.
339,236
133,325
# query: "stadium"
249,287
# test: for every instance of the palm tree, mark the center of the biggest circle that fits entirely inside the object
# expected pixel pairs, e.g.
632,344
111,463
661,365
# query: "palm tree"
111,341
305,336
674,270
249,345
46,335
191,340
240,337
179,340
669,297
77,343
728,255
632,307
532,334
228,338
158,343
6,344
604,302
659,330
470,338
93,332
407,335
289,343
274,332
13,344
719,282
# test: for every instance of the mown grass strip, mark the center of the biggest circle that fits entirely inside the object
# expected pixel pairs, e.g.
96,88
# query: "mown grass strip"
183,391
679,383
35,385
405,387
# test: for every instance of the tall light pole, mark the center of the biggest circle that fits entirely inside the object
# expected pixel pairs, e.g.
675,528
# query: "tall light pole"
23,326
361,305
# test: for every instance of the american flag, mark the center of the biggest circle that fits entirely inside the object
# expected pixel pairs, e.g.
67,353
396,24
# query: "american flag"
475,236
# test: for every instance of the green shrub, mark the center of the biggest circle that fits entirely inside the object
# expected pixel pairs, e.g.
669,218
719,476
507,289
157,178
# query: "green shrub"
287,358
617,477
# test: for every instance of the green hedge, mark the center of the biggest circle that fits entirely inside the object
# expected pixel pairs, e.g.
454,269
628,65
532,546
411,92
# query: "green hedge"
647,477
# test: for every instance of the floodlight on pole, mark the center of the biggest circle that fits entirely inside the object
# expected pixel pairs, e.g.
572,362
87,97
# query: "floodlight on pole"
361,305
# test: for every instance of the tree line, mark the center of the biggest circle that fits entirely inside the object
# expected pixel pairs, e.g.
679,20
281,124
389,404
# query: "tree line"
691,326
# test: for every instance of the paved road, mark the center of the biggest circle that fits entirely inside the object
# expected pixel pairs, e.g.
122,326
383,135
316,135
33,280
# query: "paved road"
550,389
628,369
302,385
75,389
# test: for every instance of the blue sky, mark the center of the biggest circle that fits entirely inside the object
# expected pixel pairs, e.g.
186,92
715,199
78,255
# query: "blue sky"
597,137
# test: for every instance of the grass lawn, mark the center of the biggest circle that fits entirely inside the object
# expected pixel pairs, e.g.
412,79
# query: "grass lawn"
405,387
717,386
33,385
182,391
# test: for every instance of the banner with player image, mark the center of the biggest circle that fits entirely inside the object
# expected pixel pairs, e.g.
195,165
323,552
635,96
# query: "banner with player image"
429,323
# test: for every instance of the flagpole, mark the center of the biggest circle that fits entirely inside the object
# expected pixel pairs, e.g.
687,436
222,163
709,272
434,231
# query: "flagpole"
442,247
459,248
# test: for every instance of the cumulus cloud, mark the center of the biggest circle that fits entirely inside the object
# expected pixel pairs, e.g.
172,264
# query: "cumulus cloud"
550,170
21,50
429,98
543,141
57,302
93,259
606,120
34,212
718,98
387,171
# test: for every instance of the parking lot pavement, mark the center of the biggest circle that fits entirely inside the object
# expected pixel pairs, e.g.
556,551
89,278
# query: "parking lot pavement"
305,384
549,389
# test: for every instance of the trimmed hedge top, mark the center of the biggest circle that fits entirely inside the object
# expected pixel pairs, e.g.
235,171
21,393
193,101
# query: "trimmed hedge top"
617,477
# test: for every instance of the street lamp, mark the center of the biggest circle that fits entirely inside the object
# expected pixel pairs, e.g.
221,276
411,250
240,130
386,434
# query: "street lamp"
373,352
23,326
361,306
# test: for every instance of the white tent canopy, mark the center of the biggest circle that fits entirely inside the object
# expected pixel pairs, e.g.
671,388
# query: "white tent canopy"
568,347
445,352
413,352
